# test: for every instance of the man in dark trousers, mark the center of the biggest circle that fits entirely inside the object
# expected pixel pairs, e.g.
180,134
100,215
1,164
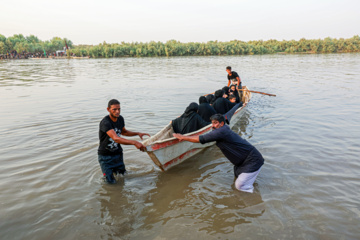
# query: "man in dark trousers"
110,153
246,158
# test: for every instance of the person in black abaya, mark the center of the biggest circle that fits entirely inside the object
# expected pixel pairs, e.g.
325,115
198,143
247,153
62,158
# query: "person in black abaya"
226,91
234,92
189,121
205,110
221,104
210,98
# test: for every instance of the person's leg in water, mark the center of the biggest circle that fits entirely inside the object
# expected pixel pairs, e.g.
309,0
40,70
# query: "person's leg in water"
245,181
120,166
106,165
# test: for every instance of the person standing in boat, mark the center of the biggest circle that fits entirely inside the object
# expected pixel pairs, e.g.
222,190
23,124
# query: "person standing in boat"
246,158
110,152
233,78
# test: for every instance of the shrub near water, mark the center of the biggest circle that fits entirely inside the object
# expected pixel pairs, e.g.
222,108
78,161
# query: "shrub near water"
176,48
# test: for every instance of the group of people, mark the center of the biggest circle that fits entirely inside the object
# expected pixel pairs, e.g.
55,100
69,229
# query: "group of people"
197,116
247,160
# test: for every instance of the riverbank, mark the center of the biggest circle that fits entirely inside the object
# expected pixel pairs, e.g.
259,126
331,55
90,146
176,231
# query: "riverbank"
32,44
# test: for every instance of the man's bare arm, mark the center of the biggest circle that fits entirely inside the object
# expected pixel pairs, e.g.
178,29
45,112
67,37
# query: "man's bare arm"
194,139
111,133
128,133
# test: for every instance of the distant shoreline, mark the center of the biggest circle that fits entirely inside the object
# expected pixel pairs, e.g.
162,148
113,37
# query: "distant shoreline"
32,46
88,57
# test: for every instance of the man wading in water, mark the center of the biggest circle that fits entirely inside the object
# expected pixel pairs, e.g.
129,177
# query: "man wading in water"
110,153
246,158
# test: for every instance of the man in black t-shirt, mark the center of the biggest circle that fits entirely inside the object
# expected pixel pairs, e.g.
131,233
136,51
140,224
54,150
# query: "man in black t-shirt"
110,152
233,78
246,158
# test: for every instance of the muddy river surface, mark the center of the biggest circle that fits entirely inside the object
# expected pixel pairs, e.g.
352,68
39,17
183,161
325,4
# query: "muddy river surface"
51,183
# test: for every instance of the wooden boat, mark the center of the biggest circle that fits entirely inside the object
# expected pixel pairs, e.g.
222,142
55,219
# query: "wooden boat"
167,151
71,57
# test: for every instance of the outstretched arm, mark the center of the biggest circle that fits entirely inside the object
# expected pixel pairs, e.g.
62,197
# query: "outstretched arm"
128,133
194,139
124,141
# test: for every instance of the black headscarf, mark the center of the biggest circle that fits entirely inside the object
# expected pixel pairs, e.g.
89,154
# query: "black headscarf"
203,99
219,93
226,90
236,94
205,110
222,105
189,121
210,98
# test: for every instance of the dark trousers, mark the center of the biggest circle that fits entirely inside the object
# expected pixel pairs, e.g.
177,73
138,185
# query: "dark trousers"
111,164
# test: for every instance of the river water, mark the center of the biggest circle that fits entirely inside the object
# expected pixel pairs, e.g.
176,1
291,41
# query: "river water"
51,183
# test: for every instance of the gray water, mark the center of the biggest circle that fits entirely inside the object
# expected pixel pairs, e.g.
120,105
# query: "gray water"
51,183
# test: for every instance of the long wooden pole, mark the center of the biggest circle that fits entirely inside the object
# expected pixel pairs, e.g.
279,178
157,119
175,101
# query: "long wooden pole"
269,94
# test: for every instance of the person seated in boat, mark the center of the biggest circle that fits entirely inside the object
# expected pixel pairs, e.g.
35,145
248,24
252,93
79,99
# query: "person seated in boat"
232,99
226,90
189,121
234,92
247,160
222,105
210,98
205,110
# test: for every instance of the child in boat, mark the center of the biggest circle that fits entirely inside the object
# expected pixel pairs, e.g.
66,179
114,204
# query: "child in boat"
233,91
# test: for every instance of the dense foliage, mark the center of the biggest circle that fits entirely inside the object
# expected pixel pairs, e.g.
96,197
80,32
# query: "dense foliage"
31,44
176,48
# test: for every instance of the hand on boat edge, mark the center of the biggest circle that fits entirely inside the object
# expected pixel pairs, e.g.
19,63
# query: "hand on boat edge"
143,134
178,136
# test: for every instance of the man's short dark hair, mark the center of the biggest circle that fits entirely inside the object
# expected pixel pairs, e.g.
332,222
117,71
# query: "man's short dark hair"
218,117
113,102
231,97
228,68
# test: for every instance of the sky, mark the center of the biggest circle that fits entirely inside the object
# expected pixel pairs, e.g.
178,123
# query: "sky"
93,22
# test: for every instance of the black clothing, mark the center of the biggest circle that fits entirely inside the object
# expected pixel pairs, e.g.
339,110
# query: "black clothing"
107,145
230,113
110,165
233,76
203,99
226,90
206,111
241,153
223,105
189,121
210,98
236,94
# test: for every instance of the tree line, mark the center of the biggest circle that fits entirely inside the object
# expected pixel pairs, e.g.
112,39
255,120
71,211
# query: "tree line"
176,48
31,44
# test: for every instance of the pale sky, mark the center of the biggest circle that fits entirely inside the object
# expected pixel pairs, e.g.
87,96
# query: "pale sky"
92,22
